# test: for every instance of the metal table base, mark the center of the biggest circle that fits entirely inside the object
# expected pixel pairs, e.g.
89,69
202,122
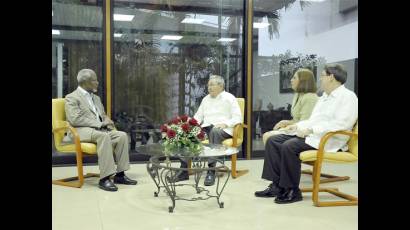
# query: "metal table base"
162,172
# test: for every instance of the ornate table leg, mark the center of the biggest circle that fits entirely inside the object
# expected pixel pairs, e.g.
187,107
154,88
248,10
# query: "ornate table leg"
197,164
169,185
153,172
219,192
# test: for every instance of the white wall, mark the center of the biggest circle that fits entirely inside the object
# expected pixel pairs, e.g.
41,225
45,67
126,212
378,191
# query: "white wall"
335,45
318,29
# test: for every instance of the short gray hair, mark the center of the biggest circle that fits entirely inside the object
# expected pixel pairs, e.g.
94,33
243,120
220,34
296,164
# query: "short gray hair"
84,75
218,79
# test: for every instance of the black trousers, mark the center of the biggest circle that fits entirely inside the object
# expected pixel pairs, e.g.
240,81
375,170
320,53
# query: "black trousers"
282,164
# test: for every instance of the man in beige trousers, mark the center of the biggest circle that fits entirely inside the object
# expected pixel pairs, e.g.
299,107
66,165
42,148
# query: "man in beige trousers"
85,112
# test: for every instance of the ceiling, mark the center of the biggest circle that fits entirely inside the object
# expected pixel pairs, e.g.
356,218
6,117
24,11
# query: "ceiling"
159,17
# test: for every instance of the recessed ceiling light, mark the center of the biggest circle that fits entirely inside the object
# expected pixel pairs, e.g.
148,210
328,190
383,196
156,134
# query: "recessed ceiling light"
55,32
312,0
193,21
117,35
123,17
171,37
226,40
260,24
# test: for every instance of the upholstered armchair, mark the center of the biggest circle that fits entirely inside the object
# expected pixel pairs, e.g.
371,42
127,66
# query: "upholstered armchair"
60,127
236,141
317,157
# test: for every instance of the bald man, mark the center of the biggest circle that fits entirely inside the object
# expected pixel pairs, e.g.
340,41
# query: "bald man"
85,112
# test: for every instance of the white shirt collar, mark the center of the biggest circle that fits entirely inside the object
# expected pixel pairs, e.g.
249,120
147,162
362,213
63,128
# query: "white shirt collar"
83,91
219,95
335,92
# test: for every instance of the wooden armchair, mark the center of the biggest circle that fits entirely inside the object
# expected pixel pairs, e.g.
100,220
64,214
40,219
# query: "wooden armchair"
317,157
236,141
60,126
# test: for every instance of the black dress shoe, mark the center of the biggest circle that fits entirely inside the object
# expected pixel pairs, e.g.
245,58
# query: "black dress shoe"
124,180
271,191
210,178
107,185
179,176
289,196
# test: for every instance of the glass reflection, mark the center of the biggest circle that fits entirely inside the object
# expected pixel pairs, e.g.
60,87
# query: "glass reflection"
292,34
76,43
163,56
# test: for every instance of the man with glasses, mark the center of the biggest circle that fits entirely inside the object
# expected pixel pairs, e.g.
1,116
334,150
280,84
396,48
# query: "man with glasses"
218,113
336,109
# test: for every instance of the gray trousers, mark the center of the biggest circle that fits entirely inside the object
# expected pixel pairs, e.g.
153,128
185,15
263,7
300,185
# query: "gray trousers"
110,144
215,136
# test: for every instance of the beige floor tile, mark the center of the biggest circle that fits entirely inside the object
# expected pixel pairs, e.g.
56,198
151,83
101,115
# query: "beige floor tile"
135,207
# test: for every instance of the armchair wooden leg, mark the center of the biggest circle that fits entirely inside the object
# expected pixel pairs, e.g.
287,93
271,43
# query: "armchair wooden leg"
349,199
234,172
69,182
77,181
330,178
320,189
190,172
74,181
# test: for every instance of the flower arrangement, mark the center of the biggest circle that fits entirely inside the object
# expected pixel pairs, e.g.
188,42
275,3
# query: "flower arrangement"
182,135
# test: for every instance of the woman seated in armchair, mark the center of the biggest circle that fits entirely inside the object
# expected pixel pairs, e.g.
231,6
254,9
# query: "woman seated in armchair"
304,99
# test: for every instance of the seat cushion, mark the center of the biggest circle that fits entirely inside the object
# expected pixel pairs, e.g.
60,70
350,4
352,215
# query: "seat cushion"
89,148
338,157
228,142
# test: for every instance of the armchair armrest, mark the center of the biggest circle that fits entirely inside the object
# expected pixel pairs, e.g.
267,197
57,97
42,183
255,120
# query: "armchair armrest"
325,138
64,125
61,125
236,131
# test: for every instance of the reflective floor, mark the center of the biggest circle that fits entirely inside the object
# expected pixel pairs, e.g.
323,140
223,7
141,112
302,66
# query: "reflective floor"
135,207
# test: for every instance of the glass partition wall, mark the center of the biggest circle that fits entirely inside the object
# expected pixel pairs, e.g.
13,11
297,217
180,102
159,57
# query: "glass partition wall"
163,55
76,44
293,34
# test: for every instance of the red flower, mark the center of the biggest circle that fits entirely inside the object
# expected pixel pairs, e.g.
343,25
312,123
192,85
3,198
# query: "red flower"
171,133
164,128
201,135
192,121
175,121
184,118
185,127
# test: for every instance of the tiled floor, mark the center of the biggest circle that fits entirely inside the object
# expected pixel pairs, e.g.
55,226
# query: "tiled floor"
135,207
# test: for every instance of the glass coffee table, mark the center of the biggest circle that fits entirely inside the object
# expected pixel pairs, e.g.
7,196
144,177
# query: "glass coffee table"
160,169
